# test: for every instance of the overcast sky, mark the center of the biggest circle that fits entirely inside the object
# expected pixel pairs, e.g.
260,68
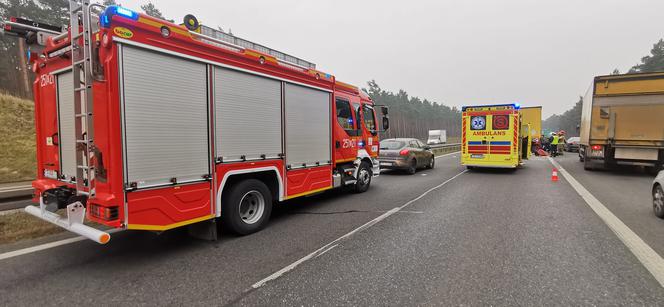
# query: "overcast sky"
454,52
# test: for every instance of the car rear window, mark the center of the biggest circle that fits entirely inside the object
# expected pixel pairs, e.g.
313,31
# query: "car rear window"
392,144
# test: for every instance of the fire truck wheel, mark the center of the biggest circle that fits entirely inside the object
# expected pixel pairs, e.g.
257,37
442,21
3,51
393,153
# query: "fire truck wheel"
412,168
432,163
246,207
363,178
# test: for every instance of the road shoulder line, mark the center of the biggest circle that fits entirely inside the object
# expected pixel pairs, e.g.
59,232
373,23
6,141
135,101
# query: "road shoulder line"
41,247
652,261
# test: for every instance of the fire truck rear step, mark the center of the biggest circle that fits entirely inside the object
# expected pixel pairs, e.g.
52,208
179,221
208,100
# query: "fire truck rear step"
73,222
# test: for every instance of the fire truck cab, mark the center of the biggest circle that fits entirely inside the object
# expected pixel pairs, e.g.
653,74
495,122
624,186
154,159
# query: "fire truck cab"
149,125
491,136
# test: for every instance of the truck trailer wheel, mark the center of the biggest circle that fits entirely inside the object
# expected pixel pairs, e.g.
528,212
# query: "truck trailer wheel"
363,178
587,164
246,207
658,201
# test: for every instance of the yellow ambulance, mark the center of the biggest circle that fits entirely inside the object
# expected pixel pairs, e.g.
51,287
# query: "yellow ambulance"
491,136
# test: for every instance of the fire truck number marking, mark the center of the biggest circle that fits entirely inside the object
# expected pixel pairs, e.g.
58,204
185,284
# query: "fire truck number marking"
45,80
123,32
348,143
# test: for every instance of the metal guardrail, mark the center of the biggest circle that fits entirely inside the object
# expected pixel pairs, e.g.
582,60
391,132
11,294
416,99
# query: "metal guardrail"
18,189
445,148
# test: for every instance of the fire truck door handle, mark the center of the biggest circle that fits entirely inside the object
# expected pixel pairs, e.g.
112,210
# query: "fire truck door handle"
54,137
337,144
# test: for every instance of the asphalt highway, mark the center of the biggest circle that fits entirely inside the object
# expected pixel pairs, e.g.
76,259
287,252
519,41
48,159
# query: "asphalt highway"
440,237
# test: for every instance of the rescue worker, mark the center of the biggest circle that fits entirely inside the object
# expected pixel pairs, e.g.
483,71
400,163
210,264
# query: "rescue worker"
554,144
561,142
544,142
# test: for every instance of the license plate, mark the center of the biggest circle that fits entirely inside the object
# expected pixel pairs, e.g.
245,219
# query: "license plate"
385,164
477,156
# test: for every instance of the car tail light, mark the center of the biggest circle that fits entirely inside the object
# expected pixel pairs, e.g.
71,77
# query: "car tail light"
104,213
596,147
404,152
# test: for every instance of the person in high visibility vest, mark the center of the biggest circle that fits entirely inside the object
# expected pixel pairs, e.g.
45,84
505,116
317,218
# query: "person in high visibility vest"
554,145
561,142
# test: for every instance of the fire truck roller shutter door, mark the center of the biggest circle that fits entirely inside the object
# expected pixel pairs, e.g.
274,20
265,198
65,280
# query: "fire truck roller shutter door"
166,118
248,116
307,126
66,120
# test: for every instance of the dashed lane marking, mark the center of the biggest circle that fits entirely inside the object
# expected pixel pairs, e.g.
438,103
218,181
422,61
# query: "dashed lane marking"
336,242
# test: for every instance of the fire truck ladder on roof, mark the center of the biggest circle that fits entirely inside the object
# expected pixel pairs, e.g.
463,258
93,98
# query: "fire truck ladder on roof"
81,26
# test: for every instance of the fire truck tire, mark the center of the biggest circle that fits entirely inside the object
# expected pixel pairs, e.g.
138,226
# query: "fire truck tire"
412,168
246,207
363,178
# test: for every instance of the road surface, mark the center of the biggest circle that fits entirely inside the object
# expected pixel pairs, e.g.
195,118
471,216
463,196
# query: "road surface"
441,237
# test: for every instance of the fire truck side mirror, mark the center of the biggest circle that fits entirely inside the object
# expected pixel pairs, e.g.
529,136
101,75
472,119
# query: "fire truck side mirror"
386,123
384,110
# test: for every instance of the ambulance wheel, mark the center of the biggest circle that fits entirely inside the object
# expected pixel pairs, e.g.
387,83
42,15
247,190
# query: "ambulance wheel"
363,178
412,168
246,207
432,163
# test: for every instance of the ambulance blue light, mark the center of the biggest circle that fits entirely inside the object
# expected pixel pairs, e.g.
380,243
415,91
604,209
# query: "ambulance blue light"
517,105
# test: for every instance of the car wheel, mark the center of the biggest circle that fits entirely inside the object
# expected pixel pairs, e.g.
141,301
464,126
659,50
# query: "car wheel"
658,201
432,163
363,178
246,207
412,168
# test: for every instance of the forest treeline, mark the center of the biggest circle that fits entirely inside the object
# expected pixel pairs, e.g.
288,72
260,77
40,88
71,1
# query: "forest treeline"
413,116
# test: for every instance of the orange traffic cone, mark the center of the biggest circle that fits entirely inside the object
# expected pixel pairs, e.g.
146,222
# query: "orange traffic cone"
554,174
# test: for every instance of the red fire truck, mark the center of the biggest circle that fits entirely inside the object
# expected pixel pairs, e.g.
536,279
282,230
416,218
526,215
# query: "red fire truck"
149,125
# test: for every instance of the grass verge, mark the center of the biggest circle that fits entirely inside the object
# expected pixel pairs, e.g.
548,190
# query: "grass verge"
17,141
18,226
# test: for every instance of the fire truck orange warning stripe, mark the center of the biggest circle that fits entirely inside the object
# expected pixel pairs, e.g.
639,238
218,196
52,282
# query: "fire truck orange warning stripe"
307,193
157,24
169,226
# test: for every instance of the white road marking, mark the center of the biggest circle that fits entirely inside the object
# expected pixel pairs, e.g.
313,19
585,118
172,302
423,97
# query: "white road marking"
334,243
49,245
652,261
445,155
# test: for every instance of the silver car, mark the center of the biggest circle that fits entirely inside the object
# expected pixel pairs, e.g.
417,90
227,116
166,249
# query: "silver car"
406,154
658,195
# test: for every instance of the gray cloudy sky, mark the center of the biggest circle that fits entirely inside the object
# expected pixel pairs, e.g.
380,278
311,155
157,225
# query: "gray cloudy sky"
455,52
